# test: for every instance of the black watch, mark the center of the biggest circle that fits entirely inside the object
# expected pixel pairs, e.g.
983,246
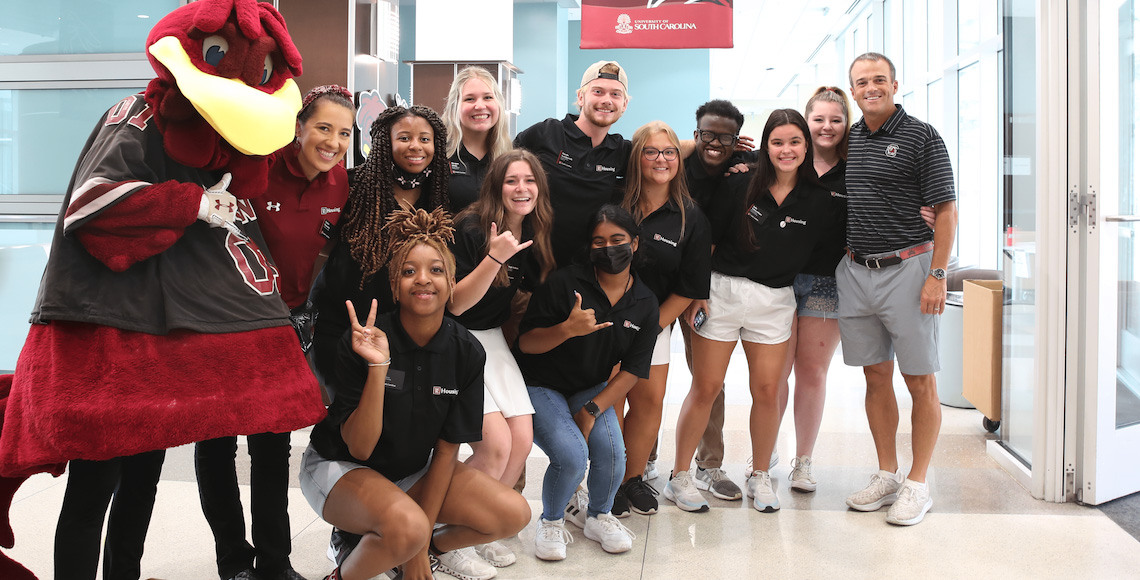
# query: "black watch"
938,273
592,408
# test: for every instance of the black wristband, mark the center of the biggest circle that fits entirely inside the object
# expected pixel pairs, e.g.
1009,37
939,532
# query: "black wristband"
493,258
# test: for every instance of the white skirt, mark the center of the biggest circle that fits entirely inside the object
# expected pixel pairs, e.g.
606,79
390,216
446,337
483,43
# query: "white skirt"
503,387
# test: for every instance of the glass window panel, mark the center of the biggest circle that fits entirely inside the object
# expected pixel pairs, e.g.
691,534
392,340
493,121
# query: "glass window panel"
969,24
23,254
935,35
42,132
78,27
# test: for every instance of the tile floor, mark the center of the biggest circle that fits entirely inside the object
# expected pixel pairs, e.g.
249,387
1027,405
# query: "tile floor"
983,523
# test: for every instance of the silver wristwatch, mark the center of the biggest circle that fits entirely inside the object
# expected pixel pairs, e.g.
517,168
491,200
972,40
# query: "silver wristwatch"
938,273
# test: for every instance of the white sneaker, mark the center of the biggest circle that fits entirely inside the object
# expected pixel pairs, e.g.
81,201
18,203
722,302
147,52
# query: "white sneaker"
716,482
762,492
650,471
801,474
551,539
882,490
772,463
465,564
576,509
609,532
681,491
912,504
496,554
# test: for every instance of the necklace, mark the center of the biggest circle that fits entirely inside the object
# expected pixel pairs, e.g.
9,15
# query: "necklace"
409,180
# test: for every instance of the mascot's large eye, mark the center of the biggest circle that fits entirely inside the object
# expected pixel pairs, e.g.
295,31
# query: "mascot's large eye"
267,71
214,48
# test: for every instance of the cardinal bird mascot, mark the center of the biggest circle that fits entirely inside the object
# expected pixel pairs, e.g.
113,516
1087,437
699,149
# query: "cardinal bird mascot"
158,322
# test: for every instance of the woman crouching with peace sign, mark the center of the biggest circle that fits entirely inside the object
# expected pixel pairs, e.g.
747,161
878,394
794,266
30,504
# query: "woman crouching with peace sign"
384,463
583,321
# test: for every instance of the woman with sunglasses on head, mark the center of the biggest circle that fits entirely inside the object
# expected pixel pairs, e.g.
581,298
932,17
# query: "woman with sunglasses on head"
585,320
672,259
384,464
502,245
478,132
304,177
766,224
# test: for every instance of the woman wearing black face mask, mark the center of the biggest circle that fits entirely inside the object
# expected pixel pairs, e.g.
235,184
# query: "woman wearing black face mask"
585,320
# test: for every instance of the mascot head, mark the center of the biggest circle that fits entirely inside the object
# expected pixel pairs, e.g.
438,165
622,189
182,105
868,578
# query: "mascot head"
225,83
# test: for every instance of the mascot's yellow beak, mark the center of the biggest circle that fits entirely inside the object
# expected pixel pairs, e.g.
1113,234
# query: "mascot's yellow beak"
254,122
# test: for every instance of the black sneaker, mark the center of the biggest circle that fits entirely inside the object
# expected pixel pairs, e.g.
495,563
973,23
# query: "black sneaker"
341,544
621,504
641,496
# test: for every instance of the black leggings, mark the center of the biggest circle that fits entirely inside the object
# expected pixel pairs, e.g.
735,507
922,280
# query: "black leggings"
132,481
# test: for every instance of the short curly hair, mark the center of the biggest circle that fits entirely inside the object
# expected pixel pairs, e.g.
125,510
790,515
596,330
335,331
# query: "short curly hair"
408,229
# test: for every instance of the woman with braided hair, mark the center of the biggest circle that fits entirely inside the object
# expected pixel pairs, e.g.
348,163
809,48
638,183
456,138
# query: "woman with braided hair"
409,390
402,172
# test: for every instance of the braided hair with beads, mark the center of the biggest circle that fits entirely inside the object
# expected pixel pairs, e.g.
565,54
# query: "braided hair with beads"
372,198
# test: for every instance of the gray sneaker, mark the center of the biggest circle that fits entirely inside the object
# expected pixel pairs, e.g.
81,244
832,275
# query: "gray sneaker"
716,482
912,504
882,490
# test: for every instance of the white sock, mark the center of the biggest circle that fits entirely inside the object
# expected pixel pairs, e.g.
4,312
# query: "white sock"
916,484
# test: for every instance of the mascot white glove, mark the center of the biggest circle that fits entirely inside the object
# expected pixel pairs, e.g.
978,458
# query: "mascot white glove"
218,206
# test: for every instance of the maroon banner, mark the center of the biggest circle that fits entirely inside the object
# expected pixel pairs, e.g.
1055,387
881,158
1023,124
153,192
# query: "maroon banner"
656,24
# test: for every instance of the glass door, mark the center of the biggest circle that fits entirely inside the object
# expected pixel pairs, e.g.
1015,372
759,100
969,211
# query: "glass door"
1110,389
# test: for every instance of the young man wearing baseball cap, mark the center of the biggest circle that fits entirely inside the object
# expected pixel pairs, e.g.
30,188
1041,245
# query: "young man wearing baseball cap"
583,160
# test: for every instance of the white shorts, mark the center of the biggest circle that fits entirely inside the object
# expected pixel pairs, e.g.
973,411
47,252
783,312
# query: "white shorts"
742,309
661,354
319,475
503,387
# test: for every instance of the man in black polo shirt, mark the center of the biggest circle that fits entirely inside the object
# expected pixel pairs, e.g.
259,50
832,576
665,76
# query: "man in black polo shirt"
584,162
716,136
892,285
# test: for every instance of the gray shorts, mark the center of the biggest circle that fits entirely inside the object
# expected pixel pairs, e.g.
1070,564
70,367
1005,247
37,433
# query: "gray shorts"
880,315
319,476
816,296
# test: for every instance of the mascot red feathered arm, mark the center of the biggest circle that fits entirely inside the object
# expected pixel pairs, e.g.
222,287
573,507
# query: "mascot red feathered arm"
158,322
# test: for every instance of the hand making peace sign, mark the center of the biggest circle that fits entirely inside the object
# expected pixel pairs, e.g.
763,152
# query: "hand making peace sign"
368,341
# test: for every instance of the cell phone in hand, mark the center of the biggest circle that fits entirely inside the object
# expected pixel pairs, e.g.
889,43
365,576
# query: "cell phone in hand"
699,319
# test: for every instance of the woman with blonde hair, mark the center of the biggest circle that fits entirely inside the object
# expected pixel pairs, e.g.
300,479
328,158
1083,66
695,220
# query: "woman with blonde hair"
673,260
478,132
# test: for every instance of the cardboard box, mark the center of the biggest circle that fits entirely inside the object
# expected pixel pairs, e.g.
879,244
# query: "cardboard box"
981,345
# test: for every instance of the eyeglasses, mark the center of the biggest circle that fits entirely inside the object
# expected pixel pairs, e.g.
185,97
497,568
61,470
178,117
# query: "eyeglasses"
726,139
652,153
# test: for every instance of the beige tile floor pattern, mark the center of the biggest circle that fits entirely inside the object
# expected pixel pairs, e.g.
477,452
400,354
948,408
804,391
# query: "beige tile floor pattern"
983,524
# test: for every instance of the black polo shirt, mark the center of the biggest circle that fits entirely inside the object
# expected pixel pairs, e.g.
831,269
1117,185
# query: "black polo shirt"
830,249
340,280
432,392
582,362
785,234
669,261
467,174
891,174
469,248
582,178
702,185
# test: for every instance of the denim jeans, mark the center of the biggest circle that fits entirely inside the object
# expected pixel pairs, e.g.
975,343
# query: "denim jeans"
556,433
